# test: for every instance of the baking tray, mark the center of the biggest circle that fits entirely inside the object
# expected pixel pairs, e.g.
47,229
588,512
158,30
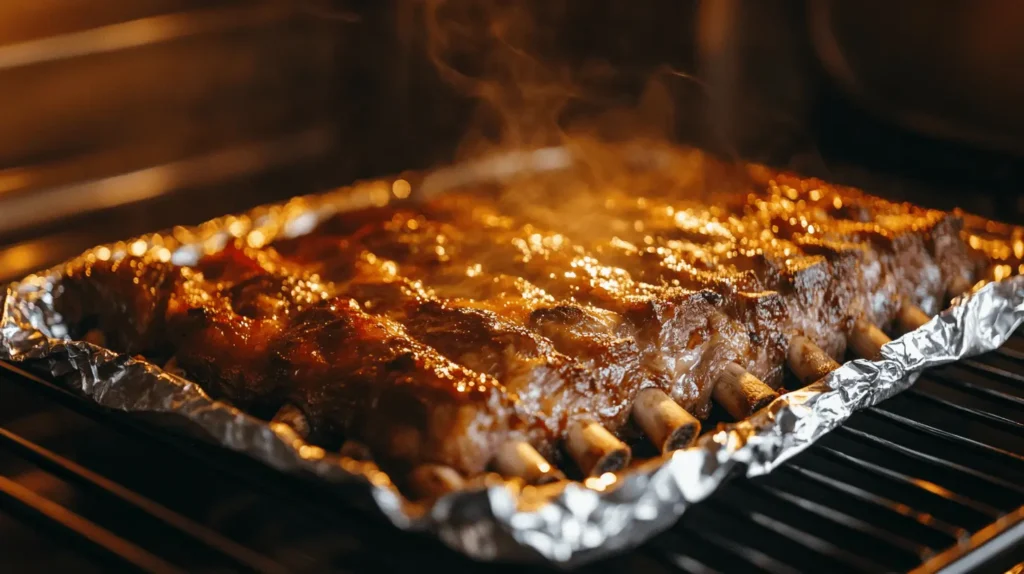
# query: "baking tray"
568,522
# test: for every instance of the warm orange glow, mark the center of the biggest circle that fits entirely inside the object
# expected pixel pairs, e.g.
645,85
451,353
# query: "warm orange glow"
600,483
237,227
380,194
138,248
401,188
256,239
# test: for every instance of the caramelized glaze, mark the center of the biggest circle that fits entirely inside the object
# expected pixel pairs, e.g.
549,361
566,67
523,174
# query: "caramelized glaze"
437,332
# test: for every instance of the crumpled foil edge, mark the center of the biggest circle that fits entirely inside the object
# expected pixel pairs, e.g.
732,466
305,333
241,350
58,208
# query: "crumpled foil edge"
568,523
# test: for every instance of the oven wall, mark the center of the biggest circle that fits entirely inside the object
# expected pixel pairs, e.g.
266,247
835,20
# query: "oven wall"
105,103
761,92
110,103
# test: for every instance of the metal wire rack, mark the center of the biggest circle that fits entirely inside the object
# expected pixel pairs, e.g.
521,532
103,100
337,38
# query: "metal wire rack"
929,480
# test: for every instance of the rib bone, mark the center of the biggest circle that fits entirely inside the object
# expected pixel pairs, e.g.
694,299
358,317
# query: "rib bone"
664,422
808,362
911,317
595,449
866,340
519,458
741,393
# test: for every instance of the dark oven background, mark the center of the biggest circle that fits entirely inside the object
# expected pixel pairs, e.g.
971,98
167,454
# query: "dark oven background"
133,116
759,90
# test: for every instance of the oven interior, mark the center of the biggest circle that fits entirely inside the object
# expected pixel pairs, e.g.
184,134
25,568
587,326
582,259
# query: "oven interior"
119,118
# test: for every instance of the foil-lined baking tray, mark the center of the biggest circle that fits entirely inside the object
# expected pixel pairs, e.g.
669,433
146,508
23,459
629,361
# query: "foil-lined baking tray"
567,523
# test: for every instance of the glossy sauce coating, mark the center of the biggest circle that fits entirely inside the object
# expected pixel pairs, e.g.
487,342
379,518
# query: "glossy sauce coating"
437,332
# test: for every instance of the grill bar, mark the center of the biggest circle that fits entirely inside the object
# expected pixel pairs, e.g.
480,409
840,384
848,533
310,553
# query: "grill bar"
726,553
946,467
317,525
217,460
283,489
1011,353
777,514
997,537
864,535
840,496
980,404
1001,373
960,410
997,396
918,494
99,540
69,470
1006,457
906,484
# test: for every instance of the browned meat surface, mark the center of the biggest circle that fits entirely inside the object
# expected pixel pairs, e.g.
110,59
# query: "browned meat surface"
920,252
996,249
681,331
438,332
500,343
771,297
682,338
247,331
605,343
124,298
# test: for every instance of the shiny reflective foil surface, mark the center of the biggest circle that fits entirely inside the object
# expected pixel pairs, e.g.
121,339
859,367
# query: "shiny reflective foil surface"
567,523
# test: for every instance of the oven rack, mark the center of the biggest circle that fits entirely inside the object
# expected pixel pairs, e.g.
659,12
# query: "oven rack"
930,480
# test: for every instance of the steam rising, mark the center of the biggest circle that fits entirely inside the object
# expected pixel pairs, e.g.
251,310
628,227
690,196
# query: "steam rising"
486,51
532,89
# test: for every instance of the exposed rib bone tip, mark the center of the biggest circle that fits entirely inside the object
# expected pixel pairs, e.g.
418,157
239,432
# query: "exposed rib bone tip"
595,449
292,416
665,423
911,317
866,340
808,361
741,393
434,480
519,458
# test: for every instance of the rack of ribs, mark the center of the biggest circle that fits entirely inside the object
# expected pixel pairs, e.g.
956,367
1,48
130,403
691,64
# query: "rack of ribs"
472,332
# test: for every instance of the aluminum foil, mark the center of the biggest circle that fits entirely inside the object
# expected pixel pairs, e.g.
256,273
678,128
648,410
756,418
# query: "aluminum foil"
566,523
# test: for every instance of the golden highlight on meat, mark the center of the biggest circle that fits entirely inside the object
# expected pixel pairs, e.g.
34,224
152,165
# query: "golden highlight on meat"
443,332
